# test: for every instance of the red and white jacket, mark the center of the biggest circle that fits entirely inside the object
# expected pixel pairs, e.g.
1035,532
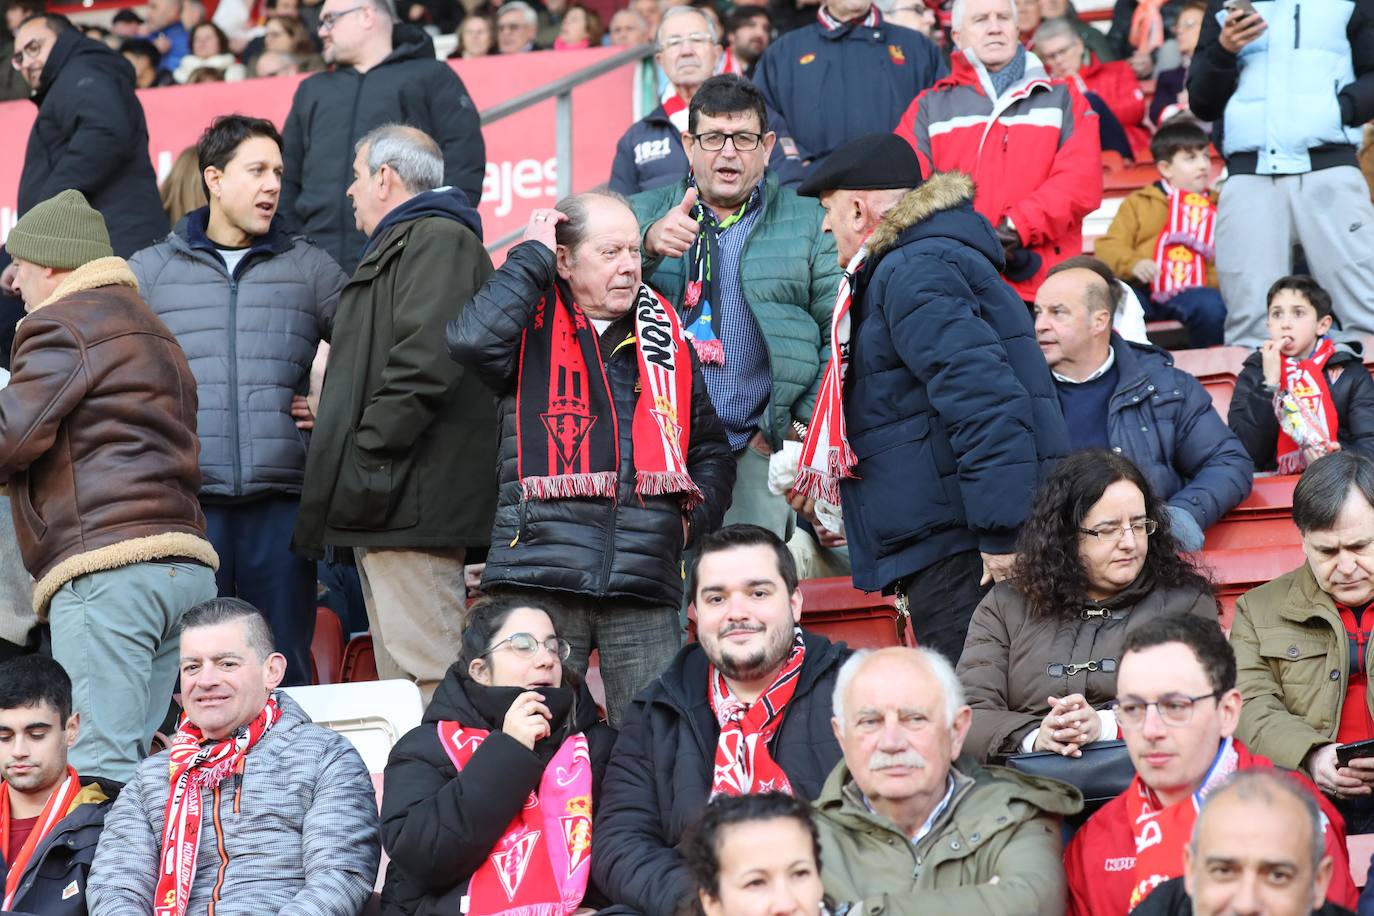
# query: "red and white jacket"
1034,153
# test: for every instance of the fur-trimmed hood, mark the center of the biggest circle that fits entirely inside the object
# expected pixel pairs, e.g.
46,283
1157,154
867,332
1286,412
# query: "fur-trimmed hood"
943,191
91,275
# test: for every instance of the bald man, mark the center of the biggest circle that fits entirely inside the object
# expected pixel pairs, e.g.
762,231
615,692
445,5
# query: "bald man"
904,795
1129,398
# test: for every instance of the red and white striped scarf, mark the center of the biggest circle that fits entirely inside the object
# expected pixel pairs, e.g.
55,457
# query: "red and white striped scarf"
743,764
826,455
1305,410
56,808
1186,245
191,767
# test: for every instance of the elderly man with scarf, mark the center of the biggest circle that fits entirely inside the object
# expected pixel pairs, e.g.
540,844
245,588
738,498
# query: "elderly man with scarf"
612,459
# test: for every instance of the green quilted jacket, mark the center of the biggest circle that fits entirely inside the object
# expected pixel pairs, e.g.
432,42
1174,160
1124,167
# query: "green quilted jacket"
791,273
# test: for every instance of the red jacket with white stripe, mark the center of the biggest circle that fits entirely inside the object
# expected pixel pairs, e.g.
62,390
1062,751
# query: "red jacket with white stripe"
1115,84
1034,153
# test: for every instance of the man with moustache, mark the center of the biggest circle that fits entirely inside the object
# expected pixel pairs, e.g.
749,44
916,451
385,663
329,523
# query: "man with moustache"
744,709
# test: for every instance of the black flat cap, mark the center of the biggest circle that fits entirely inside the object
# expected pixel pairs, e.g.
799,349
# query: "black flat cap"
874,162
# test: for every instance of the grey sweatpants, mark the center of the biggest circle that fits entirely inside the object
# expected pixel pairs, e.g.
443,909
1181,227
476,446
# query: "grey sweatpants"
1261,217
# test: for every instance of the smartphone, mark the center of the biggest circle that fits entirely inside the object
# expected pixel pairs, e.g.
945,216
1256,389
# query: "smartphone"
1356,749
1245,6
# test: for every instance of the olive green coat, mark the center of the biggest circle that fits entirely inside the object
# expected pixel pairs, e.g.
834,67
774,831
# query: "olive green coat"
1292,667
999,825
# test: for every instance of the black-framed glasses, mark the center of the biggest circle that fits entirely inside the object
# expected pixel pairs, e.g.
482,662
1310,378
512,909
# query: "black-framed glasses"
1113,532
1092,666
329,20
714,141
527,646
1174,709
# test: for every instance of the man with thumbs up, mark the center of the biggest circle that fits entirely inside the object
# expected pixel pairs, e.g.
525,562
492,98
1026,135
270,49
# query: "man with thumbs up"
753,278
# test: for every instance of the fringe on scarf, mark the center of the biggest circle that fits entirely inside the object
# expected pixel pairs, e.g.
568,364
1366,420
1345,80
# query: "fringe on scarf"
709,352
570,486
666,483
811,482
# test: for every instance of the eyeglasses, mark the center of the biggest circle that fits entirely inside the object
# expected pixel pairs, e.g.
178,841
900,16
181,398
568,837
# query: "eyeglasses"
526,646
329,20
1174,709
695,38
1113,532
30,50
1061,53
714,141
1058,669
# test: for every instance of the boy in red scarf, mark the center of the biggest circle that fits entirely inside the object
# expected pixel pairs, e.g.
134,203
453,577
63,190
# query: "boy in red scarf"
50,818
1177,707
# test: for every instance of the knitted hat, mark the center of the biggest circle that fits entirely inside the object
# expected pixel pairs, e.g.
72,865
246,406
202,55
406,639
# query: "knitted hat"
62,232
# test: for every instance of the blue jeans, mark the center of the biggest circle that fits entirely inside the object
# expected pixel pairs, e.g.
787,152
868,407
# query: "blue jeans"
1201,310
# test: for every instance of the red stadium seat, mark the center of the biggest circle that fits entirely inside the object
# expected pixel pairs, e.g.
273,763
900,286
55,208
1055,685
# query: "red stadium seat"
834,608
327,648
360,660
1236,571
1263,519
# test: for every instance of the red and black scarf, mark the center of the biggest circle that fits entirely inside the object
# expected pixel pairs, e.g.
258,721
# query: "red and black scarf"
743,764
567,432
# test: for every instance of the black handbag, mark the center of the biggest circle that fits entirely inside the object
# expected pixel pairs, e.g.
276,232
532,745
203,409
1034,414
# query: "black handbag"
1101,774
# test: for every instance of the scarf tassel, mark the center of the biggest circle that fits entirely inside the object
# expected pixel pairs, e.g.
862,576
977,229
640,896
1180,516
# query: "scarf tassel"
667,483
826,485
709,352
570,486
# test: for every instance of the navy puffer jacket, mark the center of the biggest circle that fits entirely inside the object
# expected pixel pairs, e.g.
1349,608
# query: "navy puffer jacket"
250,339
950,407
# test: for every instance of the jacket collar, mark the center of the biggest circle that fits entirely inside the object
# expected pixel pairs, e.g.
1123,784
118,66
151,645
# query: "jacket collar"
92,275
943,191
1131,370
191,233
1306,601
967,70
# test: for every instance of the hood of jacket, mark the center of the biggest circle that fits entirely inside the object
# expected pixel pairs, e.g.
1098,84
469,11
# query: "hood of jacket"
445,202
940,207
70,47
965,69
409,42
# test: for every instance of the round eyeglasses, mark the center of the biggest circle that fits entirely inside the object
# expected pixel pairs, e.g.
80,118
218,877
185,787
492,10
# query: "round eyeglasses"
526,646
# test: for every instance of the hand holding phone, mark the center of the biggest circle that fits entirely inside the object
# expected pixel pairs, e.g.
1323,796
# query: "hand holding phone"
1243,25
1353,751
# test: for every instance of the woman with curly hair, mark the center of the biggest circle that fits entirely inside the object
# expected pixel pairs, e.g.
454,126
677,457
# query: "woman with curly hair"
1096,559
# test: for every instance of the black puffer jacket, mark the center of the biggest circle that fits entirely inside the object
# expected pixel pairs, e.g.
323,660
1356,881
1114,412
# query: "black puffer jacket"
63,860
334,110
91,135
659,778
1252,418
628,547
439,825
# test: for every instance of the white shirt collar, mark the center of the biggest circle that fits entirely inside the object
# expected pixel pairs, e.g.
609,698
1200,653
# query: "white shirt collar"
934,814
1100,371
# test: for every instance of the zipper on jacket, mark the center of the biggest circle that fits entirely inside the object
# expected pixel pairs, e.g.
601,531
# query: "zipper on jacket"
234,385
1297,24
610,538
223,856
238,783
520,524
345,222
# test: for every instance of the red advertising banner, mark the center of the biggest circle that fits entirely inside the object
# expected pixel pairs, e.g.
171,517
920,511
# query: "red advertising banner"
522,171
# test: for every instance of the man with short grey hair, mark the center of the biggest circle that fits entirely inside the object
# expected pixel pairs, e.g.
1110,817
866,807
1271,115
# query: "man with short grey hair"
517,24
382,70
896,812
401,460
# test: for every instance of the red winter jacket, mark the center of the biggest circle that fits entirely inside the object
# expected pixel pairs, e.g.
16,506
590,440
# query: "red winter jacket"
1034,154
1100,860
1115,84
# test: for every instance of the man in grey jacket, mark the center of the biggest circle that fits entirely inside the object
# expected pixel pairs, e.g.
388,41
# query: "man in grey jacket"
287,816
249,304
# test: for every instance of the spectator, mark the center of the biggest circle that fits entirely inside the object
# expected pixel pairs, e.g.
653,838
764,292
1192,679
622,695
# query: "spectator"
745,709
650,11
441,15
146,60
1140,33
476,37
183,190
209,48
13,85
379,73
1178,706
164,29
249,303
1128,318
1027,21
912,14
507,724
287,35
550,14
946,393
1096,561
1129,398
516,25
85,96
400,461
1286,147
1064,53
845,75
595,510
579,29
1093,40
1303,394
629,29
753,275
1034,185
756,853
1257,847
748,29
204,75
1162,238
275,63
297,832
192,15
99,439
1290,715
903,792
50,816
1171,92
126,24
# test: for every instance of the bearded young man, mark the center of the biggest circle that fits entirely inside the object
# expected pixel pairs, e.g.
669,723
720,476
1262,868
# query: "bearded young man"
744,709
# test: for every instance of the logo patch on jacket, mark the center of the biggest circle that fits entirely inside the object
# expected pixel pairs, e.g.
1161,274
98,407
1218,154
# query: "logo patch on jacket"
897,54
651,150
70,891
806,58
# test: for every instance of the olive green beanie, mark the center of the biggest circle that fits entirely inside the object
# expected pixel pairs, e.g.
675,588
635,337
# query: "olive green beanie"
62,232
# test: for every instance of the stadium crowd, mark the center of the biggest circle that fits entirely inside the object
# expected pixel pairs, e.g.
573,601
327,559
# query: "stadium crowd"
833,315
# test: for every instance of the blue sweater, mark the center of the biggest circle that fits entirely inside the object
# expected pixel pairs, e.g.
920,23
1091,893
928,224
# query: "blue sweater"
1085,409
